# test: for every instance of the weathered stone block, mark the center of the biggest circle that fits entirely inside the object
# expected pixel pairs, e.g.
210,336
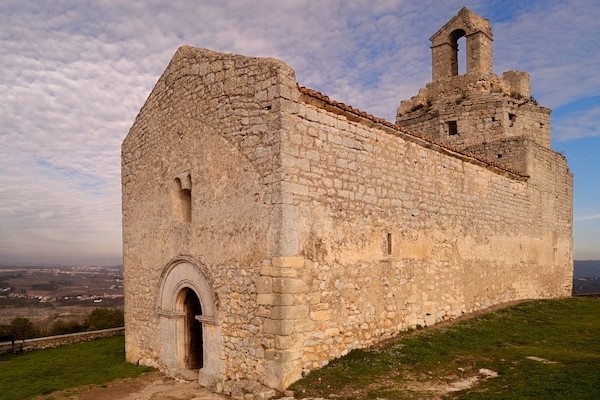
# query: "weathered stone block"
322,315
264,285
289,285
283,356
277,299
278,326
289,312
288,262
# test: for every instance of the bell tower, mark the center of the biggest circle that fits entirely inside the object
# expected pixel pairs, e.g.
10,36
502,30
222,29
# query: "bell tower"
444,45
476,112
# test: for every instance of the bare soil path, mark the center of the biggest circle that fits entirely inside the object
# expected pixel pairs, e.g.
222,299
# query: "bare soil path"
150,386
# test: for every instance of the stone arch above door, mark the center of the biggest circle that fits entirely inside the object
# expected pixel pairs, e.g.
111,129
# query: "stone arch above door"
180,275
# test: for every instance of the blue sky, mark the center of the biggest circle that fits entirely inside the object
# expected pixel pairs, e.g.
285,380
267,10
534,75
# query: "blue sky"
75,74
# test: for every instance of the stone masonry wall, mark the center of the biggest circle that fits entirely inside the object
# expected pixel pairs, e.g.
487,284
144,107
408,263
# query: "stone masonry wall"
214,118
479,119
396,233
511,153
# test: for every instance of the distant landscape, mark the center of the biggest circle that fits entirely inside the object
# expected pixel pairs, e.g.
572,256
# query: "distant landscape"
586,277
45,295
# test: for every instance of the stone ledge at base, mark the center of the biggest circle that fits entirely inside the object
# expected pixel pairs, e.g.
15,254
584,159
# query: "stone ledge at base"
58,340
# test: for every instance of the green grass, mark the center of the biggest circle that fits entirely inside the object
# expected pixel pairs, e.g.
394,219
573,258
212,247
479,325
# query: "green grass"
566,332
45,371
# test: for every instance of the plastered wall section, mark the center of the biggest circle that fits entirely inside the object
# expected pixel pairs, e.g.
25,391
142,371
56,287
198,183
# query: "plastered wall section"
396,233
214,118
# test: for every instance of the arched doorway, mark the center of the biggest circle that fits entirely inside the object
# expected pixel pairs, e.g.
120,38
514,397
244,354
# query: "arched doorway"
193,353
190,333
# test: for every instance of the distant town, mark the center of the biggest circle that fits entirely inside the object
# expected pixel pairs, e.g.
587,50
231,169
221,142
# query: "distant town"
51,293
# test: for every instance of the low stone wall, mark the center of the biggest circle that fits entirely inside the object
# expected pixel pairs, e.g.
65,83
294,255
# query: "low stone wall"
59,340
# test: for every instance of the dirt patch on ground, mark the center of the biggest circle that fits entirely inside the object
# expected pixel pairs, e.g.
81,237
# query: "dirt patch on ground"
408,386
150,386
155,386
437,388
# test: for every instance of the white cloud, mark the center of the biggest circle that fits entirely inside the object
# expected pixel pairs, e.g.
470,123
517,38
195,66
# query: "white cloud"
556,43
579,123
589,217
75,74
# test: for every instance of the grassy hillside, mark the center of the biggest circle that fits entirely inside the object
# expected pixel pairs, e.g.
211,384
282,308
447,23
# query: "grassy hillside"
44,371
535,350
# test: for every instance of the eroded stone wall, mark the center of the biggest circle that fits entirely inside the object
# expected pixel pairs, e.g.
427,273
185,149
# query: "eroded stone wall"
397,233
483,111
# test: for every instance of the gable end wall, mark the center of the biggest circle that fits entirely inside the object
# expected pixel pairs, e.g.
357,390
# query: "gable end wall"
213,118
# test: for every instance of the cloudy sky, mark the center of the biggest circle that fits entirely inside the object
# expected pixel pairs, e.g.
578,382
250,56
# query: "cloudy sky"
74,74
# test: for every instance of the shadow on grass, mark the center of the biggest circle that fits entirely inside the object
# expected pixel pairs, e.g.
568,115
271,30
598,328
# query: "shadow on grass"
45,371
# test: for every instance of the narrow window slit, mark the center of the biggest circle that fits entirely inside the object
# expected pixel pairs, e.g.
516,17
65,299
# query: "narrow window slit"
182,198
452,128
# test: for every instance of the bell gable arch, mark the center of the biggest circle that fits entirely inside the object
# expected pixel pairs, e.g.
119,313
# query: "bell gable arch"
478,34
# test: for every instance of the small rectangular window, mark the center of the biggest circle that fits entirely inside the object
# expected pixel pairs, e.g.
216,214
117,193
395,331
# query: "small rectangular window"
452,128
182,198
389,244
511,118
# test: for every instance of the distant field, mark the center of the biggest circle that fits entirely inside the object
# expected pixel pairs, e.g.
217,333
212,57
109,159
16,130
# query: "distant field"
537,350
44,371
47,294
586,269
586,277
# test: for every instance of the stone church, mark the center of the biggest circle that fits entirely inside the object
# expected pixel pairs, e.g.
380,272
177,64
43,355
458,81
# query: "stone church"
268,229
